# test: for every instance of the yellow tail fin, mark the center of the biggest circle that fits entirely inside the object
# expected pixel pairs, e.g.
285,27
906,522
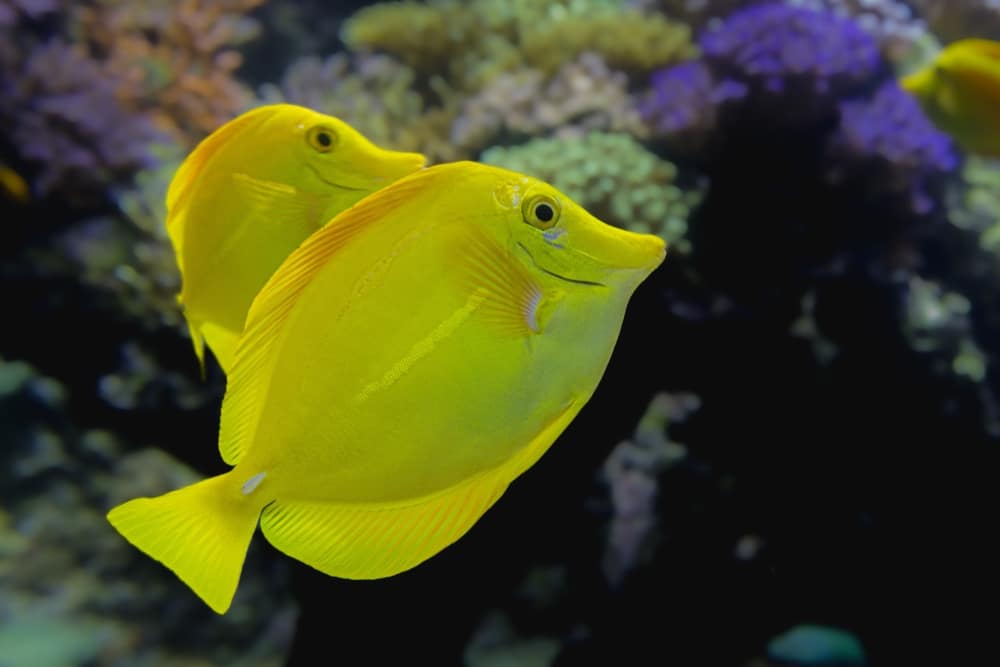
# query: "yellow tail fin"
201,532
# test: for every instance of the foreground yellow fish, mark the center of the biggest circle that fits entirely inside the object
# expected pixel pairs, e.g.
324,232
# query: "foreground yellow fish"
960,92
399,370
249,194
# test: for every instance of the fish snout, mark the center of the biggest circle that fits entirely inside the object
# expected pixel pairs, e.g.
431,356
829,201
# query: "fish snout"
618,248
396,164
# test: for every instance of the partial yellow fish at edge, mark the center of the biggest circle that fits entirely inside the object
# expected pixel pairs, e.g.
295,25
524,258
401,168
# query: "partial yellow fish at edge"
960,92
397,372
249,194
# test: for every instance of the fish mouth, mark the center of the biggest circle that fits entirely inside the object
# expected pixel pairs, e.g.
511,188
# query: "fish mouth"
332,184
575,281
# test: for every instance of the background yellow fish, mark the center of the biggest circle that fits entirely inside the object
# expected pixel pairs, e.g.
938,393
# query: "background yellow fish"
249,194
398,371
960,92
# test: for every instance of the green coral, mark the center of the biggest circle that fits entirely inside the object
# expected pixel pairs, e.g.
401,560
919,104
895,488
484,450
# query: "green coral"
629,41
612,176
975,203
471,42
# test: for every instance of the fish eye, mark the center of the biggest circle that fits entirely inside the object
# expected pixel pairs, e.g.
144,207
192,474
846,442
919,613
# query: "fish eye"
540,211
321,138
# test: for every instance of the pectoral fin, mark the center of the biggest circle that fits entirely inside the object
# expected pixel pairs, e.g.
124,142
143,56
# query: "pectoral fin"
512,297
274,201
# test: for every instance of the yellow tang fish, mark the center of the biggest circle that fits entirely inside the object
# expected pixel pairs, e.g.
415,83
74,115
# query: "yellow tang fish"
960,92
399,370
13,186
249,194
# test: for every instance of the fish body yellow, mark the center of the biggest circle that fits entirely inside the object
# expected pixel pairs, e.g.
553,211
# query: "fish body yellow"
249,194
397,372
960,92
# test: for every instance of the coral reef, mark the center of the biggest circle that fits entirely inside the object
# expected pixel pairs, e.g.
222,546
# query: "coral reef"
631,472
87,91
900,32
627,41
684,105
121,607
893,148
785,52
580,96
830,297
974,203
373,93
800,70
129,255
172,61
472,42
63,116
817,645
612,176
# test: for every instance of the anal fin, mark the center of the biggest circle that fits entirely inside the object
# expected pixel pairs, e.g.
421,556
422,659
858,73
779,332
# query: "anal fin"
369,541
375,541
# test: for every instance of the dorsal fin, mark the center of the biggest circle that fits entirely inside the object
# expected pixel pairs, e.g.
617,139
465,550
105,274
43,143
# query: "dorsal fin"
254,359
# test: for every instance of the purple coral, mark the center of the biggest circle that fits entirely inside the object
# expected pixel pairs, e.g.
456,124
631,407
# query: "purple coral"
685,98
776,46
63,114
786,64
890,129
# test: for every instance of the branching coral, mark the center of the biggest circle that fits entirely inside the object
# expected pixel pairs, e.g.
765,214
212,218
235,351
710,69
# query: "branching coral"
425,36
472,42
62,114
375,94
612,176
85,91
628,41
631,472
172,60
582,95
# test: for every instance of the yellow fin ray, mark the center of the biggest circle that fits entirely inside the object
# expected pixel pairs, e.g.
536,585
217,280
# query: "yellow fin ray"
512,296
222,342
201,532
374,541
254,359
276,202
